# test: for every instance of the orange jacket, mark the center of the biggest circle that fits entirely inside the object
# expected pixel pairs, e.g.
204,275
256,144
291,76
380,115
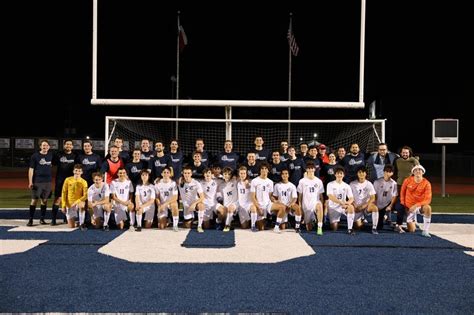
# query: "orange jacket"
413,193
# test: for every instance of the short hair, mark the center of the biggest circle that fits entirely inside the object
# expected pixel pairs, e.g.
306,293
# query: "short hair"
43,140
97,174
310,165
362,168
339,169
388,168
78,166
264,165
227,170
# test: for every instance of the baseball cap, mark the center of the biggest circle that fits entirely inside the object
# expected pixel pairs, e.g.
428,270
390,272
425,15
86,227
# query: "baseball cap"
418,167
322,146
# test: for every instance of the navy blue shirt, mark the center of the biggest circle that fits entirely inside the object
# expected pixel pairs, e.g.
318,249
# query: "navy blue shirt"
65,163
90,163
228,160
134,169
297,169
177,163
42,164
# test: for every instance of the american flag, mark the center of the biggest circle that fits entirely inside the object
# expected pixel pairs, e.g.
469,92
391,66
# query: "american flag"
183,39
292,43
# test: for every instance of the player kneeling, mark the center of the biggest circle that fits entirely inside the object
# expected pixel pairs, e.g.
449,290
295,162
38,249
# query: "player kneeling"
228,205
98,196
286,194
122,192
340,201
364,200
245,208
167,199
192,197
144,200
73,197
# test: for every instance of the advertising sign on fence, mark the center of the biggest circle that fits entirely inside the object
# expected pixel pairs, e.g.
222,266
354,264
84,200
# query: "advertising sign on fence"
24,143
4,143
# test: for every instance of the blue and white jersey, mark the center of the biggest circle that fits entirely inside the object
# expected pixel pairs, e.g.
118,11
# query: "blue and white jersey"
95,193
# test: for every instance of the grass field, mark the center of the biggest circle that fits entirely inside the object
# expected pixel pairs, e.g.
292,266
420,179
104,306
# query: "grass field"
20,198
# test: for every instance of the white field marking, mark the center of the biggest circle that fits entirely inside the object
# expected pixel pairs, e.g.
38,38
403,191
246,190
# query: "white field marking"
462,234
164,246
18,246
20,226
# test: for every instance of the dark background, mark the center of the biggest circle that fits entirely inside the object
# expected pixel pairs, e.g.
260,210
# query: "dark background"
418,65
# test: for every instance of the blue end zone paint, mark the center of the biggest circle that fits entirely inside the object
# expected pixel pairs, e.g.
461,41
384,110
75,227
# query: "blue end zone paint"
209,239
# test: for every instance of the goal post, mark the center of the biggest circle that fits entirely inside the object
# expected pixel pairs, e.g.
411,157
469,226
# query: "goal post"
333,133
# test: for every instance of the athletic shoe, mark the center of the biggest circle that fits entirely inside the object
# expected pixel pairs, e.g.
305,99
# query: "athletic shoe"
254,229
138,229
399,229
43,222
200,230
425,234
83,227
30,222
106,228
297,230
350,232
374,232
226,228
320,231
175,229
53,222
130,228
276,229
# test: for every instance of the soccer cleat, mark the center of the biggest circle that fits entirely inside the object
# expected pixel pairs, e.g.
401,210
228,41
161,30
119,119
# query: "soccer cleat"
425,234
297,230
83,227
254,229
175,229
276,229
226,228
42,221
350,232
138,229
320,231
30,222
374,232
200,229
106,228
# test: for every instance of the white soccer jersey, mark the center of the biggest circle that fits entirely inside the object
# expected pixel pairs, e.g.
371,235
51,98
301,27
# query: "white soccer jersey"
243,193
189,192
262,189
210,192
362,191
285,192
146,193
311,190
98,193
229,192
385,191
121,189
165,191
341,191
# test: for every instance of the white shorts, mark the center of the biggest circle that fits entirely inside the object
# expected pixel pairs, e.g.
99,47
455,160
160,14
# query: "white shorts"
267,209
310,212
120,212
411,216
311,206
98,211
360,215
188,213
71,213
148,213
335,213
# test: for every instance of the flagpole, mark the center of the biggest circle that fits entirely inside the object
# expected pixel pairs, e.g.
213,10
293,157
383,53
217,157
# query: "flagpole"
290,29
177,75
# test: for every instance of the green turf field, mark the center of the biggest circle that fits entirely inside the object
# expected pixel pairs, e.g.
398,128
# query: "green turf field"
20,198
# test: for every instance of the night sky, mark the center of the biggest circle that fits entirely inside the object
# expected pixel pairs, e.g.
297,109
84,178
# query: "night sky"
418,65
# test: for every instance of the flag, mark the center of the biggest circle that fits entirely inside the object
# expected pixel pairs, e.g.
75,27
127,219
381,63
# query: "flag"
292,43
183,39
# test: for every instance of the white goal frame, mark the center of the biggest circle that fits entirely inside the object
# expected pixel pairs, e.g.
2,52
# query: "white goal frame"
228,103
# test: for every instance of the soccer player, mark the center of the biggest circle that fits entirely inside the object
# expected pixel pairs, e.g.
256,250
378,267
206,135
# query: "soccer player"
134,167
112,164
146,153
251,165
98,196
276,166
205,157
167,199
364,200
192,197
145,201
91,162
385,194
286,194
228,206
160,160
416,196
64,161
197,167
245,203
228,158
123,154
74,195
310,190
262,154
261,189
177,158
122,192
340,201
341,153
209,187
295,165
303,150
284,151
40,180
312,157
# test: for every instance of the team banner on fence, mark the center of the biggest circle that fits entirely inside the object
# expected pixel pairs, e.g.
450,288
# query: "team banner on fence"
53,144
77,144
24,143
98,144
4,143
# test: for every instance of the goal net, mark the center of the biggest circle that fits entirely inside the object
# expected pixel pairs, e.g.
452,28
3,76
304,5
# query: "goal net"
333,133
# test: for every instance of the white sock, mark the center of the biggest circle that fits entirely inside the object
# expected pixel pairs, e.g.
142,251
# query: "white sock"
253,218
375,219
320,224
106,218
132,218
175,221
228,220
426,223
82,215
139,220
297,221
200,218
278,221
350,220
